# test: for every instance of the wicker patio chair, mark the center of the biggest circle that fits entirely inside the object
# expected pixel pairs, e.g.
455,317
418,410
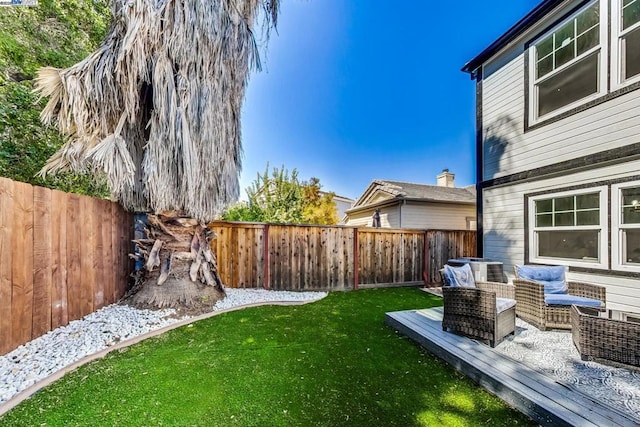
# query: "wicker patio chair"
531,306
473,312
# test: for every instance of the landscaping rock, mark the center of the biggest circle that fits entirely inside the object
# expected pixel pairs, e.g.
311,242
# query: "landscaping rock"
43,356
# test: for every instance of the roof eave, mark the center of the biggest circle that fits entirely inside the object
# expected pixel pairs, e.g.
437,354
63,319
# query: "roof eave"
429,200
396,200
512,33
375,185
388,202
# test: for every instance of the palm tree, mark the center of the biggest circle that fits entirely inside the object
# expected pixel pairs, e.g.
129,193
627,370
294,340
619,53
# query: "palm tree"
156,109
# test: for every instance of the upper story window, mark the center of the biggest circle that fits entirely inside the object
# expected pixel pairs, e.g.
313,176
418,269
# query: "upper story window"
593,51
626,27
568,63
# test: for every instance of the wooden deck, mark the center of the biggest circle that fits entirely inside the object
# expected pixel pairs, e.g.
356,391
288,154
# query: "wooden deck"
534,394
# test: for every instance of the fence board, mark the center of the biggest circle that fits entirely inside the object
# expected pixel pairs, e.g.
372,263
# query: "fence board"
275,247
118,218
220,250
332,257
306,259
87,254
126,244
74,279
22,263
125,228
115,244
42,279
108,271
296,259
285,262
256,263
98,254
59,313
240,249
232,248
236,248
6,263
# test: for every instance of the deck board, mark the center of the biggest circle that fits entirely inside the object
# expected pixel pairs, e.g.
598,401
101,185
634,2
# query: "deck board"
531,392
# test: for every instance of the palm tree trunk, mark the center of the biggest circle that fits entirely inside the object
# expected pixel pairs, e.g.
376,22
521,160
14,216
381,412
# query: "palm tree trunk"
180,270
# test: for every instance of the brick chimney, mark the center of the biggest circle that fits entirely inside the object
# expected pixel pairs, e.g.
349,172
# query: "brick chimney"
446,179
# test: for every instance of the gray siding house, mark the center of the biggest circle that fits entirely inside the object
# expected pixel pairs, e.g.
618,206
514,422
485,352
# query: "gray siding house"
558,144
417,206
342,205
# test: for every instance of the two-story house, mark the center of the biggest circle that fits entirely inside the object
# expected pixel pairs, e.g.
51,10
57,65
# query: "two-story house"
558,144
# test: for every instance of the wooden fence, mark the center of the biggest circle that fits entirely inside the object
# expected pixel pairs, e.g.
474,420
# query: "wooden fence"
290,257
62,256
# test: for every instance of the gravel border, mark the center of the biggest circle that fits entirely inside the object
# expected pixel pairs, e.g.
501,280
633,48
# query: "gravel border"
41,361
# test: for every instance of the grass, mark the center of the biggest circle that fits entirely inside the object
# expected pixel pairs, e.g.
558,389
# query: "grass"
328,363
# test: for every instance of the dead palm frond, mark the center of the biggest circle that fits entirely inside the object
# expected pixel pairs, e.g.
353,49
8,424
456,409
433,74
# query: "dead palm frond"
157,107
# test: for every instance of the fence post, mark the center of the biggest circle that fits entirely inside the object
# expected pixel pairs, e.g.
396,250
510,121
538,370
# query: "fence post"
266,256
356,265
426,266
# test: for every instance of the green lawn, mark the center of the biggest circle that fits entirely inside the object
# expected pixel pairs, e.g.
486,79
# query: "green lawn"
328,363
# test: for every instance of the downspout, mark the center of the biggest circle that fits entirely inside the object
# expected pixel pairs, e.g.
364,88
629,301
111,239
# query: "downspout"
479,167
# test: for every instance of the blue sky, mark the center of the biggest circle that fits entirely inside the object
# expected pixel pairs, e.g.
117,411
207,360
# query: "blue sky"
356,90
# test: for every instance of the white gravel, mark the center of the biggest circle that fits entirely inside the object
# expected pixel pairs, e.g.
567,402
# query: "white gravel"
63,346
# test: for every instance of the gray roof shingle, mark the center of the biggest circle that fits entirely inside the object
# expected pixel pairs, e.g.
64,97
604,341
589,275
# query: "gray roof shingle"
409,190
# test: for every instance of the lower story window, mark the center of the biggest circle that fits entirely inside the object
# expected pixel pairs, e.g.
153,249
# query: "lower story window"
576,244
631,247
570,228
626,224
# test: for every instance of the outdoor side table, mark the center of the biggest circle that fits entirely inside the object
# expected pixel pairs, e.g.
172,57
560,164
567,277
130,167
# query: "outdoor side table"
604,340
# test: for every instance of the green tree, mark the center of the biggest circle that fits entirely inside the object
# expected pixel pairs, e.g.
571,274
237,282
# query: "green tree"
280,197
319,206
53,33
243,211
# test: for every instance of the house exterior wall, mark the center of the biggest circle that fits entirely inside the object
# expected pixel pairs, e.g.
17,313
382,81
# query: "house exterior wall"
389,217
508,149
520,160
437,216
505,230
379,197
341,206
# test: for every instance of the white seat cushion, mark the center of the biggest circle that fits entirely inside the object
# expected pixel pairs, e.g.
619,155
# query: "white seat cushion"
503,304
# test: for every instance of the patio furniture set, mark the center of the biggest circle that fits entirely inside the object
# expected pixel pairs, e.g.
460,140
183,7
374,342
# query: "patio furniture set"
541,296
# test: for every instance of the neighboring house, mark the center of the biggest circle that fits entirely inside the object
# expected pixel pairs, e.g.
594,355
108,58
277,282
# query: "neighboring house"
406,205
342,205
558,144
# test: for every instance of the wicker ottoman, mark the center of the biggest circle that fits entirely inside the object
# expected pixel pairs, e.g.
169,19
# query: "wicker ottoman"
605,340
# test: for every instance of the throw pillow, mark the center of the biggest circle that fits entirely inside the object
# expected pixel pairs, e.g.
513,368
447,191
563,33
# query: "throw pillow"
459,276
552,277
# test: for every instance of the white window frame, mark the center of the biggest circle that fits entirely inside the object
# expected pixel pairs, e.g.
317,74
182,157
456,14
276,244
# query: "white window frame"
616,47
603,246
617,228
602,72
